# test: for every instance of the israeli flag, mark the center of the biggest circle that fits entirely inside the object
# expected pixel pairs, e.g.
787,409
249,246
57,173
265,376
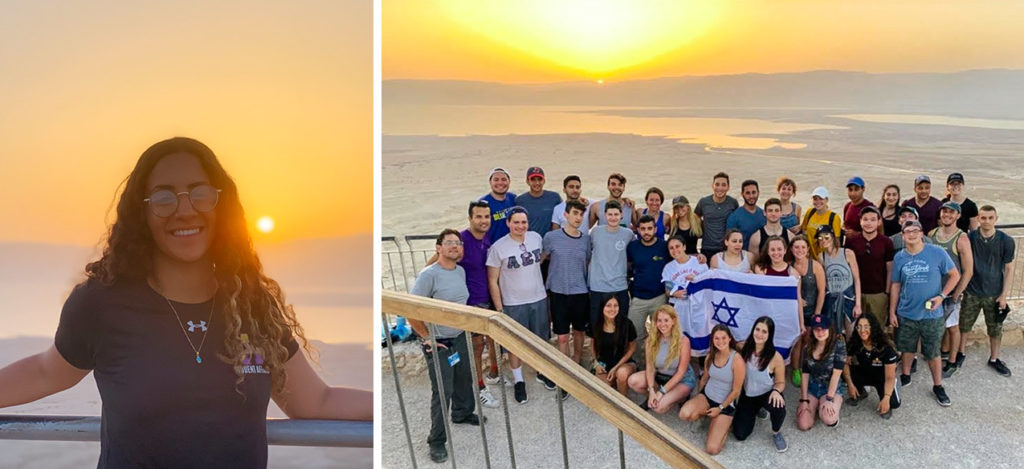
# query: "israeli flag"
737,300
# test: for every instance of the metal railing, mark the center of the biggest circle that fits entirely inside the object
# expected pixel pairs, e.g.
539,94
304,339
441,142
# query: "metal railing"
602,399
403,257
281,432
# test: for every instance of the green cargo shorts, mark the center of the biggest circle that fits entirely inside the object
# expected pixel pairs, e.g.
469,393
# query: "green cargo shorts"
973,305
929,331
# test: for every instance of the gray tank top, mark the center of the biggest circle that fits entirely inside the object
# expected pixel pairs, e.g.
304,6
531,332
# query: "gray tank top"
809,288
627,215
838,274
742,267
757,382
949,246
660,360
719,380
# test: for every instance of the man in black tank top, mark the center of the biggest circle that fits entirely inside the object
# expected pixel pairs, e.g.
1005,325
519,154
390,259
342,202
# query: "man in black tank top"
773,213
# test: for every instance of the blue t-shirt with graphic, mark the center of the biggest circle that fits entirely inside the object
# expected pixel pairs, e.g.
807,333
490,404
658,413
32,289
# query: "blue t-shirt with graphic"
499,210
920,277
648,262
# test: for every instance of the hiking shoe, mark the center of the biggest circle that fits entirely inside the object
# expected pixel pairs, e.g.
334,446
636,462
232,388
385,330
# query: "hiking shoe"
960,359
904,380
797,377
1000,367
780,442
470,419
940,395
548,384
438,453
913,366
520,392
762,414
949,370
492,379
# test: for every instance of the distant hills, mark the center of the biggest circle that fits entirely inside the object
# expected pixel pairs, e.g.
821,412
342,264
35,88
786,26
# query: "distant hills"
993,94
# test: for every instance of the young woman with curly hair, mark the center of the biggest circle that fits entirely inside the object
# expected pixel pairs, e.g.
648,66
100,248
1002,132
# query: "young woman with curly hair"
187,338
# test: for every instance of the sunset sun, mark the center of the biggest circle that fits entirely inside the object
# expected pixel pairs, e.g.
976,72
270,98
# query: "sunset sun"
265,224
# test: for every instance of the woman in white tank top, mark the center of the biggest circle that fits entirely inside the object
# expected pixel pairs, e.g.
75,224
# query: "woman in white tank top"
720,387
734,258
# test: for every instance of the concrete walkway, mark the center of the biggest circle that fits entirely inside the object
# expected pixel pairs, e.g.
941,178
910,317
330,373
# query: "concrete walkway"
983,428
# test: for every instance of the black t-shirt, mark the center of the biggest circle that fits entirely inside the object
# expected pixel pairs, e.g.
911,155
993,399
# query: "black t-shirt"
160,407
609,350
873,361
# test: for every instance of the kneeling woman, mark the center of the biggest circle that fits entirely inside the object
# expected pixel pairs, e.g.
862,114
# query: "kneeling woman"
720,387
763,384
668,378
821,392
872,362
613,345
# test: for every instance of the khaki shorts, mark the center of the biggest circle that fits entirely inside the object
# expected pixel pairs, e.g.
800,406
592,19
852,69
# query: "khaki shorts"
877,305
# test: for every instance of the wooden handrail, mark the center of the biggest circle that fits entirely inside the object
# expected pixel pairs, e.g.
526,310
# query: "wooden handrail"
599,397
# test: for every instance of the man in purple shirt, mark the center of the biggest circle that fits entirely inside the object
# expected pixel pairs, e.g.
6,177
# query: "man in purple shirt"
927,206
475,244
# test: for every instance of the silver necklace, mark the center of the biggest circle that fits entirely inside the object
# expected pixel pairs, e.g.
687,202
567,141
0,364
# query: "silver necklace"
206,329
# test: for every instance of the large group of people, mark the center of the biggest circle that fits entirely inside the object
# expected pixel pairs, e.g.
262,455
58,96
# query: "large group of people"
878,285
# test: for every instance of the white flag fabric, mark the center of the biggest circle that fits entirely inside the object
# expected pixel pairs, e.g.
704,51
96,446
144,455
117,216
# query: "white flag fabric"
737,300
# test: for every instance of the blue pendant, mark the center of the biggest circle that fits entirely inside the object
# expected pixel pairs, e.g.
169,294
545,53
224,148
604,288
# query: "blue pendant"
198,360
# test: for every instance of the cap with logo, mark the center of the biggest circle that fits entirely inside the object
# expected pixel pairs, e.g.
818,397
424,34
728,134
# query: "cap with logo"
820,321
922,178
907,209
955,177
824,229
533,172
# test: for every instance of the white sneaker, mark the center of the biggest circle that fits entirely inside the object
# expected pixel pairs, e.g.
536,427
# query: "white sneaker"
492,379
487,399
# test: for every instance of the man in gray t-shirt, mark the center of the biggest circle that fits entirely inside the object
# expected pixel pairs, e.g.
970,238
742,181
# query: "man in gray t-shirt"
714,211
446,280
608,262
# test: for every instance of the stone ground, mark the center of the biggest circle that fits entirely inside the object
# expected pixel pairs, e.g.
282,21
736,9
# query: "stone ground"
983,428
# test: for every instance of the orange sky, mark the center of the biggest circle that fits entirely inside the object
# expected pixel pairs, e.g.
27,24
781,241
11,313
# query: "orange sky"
282,94
517,41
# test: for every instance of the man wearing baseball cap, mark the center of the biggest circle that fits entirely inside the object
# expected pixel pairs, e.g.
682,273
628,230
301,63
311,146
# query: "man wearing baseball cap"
968,209
954,241
852,209
916,308
538,202
500,200
927,206
904,215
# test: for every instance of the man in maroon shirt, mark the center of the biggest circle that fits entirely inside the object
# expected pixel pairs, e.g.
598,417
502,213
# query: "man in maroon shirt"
926,205
852,209
874,254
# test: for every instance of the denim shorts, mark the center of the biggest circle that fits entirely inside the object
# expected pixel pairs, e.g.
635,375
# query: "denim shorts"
689,379
817,388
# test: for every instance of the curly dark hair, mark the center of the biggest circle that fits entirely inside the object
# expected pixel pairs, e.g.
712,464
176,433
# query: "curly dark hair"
254,303
878,337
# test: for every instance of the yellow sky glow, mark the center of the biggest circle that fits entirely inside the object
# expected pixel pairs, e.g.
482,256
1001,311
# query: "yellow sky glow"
522,41
283,96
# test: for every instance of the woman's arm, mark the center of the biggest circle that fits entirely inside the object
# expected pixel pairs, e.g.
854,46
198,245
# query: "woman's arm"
739,372
306,396
819,281
629,354
852,260
593,353
36,377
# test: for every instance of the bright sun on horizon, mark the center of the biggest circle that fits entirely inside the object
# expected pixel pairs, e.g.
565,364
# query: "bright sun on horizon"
265,224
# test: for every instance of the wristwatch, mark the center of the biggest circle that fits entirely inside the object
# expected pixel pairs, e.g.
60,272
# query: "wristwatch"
828,398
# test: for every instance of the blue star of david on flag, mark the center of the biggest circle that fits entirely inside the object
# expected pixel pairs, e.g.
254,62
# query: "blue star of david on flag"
731,322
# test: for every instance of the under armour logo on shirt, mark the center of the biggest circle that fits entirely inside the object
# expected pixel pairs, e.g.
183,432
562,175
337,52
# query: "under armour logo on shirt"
192,327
